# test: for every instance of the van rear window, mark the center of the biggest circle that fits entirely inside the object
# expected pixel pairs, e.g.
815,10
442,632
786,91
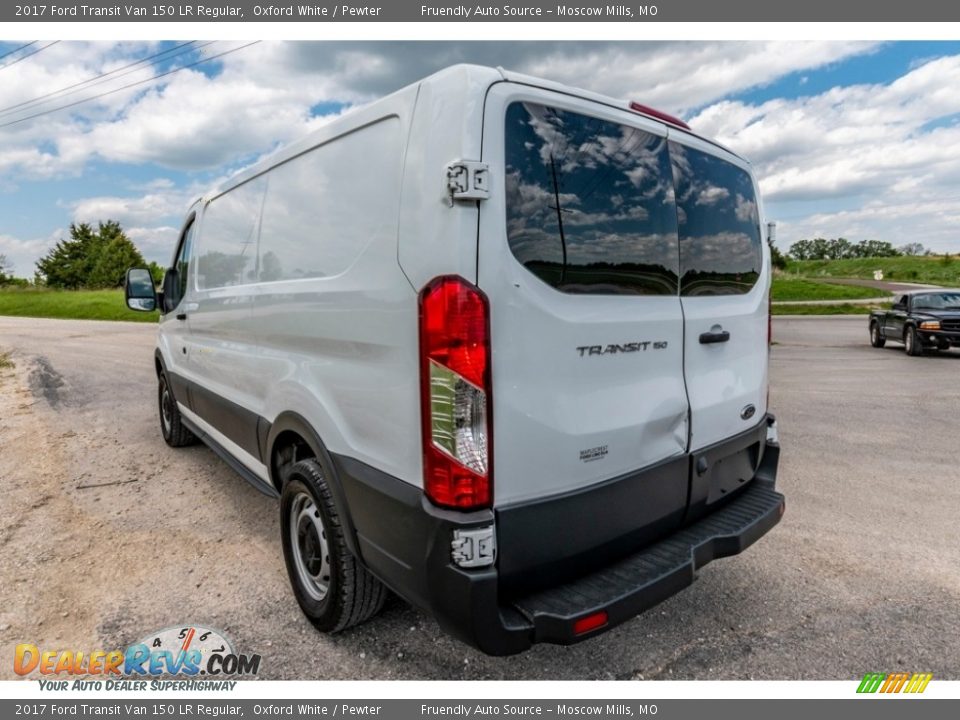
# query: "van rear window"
720,251
590,203
598,207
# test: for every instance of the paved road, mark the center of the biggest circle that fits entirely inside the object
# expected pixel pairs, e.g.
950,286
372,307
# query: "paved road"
862,575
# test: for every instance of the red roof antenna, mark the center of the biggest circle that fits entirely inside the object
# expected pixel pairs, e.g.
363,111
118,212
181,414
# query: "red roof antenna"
651,112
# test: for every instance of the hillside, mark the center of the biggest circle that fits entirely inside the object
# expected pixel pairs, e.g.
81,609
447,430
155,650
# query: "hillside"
936,270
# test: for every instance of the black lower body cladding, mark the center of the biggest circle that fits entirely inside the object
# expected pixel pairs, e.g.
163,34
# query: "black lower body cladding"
594,552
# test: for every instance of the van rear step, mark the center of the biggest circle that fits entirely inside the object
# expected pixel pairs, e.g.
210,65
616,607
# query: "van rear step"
577,610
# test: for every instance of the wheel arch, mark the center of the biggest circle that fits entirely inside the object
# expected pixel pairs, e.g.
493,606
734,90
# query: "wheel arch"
290,427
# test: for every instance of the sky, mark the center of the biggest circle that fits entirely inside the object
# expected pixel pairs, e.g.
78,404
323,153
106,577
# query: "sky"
858,140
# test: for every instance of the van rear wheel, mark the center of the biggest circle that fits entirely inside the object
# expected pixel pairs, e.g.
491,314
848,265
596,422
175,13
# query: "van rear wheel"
334,591
876,339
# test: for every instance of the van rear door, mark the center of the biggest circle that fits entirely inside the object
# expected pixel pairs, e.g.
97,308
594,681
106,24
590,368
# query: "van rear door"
724,290
578,255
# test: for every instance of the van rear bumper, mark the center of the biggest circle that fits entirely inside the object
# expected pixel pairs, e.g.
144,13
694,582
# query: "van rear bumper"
405,541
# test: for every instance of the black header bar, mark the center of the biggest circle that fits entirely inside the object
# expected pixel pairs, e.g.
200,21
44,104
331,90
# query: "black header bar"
521,11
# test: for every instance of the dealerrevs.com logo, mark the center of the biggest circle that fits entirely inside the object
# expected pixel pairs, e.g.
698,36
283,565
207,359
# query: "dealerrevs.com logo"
186,650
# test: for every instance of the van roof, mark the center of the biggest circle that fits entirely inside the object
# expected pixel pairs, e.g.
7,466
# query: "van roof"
477,77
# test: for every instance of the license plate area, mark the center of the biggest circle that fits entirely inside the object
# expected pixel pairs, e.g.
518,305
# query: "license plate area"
719,471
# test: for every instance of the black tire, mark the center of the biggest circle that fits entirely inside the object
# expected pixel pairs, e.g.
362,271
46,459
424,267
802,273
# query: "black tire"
334,591
912,343
171,423
876,339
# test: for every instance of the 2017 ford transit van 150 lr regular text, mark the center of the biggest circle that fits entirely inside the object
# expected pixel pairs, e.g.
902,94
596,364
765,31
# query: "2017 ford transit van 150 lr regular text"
498,344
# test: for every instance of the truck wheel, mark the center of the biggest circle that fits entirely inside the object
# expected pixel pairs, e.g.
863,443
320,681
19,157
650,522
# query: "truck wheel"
911,343
876,339
334,591
171,425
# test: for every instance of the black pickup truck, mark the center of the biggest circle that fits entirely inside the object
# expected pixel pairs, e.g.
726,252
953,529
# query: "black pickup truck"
922,320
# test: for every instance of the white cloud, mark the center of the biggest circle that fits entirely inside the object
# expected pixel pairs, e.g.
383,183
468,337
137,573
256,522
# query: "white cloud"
869,149
865,148
23,253
263,95
150,208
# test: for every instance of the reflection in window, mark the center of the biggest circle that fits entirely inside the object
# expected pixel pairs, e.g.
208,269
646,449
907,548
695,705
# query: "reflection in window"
720,251
183,260
228,246
321,210
590,203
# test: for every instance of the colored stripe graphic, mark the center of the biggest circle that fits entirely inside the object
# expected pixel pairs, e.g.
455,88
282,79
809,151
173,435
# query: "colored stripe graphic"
894,682
870,683
918,683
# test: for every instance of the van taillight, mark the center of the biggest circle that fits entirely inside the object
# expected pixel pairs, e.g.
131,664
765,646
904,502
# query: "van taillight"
455,393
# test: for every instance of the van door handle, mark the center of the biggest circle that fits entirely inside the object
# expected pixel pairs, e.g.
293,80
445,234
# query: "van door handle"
708,338
183,316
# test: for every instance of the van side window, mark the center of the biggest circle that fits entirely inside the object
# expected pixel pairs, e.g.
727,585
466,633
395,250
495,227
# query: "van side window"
590,204
183,259
720,250
227,250
321,211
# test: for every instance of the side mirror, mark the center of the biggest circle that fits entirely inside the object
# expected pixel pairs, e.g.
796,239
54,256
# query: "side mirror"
139,291
899,306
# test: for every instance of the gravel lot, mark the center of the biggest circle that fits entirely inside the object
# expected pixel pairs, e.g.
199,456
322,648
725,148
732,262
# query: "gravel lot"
863,574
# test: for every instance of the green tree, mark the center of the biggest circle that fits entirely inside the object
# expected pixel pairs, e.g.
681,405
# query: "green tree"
777,258
66,264
114,258
913,249
157,271
875,248
89,259
801,250
839,249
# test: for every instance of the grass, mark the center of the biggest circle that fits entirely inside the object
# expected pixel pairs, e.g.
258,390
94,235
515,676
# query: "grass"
795,288
72,304
109,304
844,309
936,270
5,362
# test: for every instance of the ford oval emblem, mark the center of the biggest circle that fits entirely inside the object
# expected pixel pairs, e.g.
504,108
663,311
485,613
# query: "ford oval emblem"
747,412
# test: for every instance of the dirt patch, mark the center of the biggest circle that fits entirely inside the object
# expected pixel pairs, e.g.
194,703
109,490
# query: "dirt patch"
46,381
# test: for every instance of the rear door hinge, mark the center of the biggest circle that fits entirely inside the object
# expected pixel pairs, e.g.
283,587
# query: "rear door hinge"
468,180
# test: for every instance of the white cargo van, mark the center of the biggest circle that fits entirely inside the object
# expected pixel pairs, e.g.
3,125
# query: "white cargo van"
499,345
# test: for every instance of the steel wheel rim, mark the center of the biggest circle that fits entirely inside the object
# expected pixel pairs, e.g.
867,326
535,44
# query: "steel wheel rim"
166,408
874,335
909,341
311,552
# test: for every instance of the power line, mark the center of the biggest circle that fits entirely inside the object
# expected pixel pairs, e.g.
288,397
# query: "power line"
16,50
29,54
101,78
130,85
